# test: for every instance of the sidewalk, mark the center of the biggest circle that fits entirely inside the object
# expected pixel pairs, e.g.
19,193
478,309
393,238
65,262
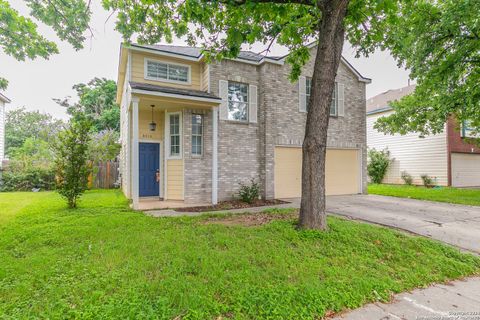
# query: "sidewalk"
459,300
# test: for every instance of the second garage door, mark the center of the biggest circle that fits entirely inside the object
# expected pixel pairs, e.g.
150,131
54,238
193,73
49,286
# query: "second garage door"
465,170
342,172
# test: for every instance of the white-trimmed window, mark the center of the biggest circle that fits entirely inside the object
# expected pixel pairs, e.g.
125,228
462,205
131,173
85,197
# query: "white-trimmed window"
163,71
333,106
175,141
237,101
197,134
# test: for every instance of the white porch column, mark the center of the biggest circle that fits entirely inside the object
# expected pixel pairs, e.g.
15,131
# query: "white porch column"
215,155
128,151
135,171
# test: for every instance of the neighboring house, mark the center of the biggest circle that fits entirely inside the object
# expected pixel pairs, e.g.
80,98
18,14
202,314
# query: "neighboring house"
3,101
192,131
446,156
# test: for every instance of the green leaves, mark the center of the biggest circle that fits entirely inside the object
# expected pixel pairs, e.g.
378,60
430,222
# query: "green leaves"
97,103
439,41
19,36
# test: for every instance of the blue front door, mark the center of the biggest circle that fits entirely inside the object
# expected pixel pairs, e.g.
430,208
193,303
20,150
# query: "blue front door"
149,164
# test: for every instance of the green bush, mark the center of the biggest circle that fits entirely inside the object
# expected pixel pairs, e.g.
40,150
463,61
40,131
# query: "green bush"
43,179
378,162
249,193
407,178
428,181
71,155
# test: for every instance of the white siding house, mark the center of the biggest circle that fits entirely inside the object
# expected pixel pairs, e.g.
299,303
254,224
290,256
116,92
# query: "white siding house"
411,153
3,101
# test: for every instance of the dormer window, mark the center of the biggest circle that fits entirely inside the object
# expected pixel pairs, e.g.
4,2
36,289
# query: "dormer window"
165,71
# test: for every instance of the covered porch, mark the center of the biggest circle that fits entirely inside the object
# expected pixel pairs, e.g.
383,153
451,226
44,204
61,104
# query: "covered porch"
170,147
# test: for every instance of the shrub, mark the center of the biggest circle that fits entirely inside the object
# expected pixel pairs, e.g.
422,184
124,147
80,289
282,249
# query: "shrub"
71,155
41,178
428,181
249,193
407,178
378,162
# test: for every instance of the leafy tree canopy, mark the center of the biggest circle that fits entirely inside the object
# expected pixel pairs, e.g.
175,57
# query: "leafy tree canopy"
21,125
19,36
97,103
222,27
34,153
439,41
103,146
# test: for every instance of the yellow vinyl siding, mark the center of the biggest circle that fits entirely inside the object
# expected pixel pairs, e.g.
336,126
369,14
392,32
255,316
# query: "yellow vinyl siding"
342,172
138,70
144,120
205,77
175,179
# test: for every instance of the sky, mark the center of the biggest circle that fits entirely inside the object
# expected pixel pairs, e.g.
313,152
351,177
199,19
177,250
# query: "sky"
33,84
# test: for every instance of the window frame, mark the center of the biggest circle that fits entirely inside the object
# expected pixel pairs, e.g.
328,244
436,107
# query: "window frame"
147,77
334,96
247,103
197,155
169,138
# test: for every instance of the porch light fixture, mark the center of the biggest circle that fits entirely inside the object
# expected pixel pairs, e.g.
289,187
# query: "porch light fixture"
152,124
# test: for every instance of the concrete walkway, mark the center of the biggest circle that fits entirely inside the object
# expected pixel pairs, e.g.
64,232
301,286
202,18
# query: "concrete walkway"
446,302
457,225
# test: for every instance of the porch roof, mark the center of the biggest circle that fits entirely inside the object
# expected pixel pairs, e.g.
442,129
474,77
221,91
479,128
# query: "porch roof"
172,92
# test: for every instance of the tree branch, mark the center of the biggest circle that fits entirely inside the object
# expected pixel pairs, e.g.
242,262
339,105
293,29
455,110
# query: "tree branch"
242,2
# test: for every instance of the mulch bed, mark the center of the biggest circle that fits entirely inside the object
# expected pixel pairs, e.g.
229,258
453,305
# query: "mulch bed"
250,220
232,204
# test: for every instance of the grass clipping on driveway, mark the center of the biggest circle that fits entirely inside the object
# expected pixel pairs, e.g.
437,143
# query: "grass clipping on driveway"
105,261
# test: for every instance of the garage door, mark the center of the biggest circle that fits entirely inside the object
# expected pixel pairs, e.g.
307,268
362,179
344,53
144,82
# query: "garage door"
465,170
342,172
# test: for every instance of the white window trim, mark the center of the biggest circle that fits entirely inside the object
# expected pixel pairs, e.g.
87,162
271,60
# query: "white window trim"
335,101
194,155
145,73
167,144
247,103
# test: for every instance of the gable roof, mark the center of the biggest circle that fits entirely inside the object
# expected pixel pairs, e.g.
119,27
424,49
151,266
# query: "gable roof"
381,102
4,99
195,53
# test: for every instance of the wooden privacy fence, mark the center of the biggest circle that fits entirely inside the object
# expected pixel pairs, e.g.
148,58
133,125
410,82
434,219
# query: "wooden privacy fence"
105,175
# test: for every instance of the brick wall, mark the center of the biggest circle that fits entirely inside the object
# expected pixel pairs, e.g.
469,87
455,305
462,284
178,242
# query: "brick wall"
238,143
197,169
455,143
246,150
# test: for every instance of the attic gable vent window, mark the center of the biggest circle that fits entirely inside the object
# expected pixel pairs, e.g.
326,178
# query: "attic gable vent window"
161,71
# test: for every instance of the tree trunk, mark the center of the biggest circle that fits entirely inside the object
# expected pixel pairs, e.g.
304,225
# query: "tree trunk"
331,34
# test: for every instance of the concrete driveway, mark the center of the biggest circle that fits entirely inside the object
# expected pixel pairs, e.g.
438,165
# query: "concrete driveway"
458,225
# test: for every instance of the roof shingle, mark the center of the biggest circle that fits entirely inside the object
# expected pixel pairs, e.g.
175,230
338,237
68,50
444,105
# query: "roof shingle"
170,90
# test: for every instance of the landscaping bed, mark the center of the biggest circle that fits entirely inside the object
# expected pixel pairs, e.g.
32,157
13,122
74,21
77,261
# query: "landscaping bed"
231,204
106,261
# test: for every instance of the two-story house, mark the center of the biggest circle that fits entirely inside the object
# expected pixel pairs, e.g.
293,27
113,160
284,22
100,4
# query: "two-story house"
448,157
3,101
192,131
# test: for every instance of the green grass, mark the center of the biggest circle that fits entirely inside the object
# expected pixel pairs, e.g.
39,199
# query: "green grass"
442,194
103,260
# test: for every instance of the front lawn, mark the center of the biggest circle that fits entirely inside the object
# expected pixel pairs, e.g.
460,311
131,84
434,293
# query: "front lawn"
106,261
442,194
